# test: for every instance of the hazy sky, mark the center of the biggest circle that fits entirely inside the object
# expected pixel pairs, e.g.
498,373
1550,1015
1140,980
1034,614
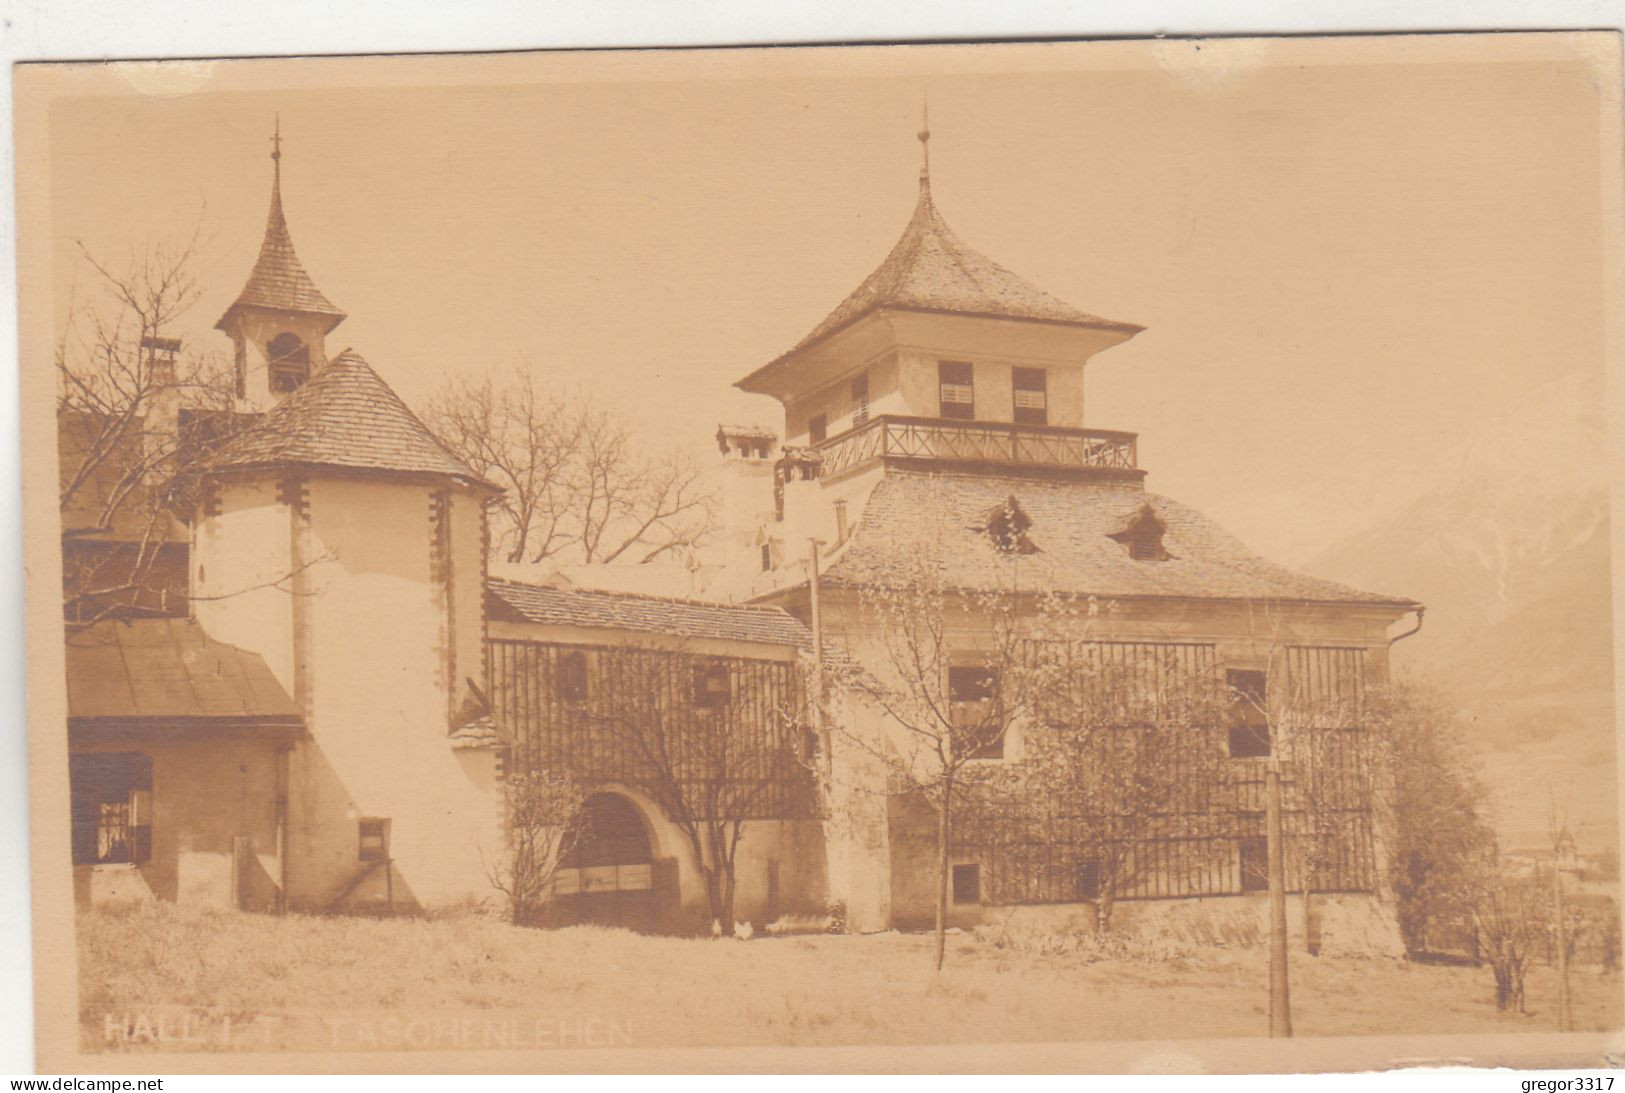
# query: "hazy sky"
1342,267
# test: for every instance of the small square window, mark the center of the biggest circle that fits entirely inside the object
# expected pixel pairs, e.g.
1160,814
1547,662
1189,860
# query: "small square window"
818,429
712,687
1255,865
572,677
967,884
374,839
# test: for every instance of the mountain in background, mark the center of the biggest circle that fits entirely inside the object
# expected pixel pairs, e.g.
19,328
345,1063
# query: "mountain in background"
1507,543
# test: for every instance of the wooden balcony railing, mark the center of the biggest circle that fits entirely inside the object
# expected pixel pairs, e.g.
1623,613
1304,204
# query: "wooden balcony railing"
926,439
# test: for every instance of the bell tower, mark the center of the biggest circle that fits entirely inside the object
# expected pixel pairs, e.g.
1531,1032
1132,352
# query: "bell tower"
280,320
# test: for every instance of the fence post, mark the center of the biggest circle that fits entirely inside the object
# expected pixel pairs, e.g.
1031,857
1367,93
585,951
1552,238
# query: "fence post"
1280,1002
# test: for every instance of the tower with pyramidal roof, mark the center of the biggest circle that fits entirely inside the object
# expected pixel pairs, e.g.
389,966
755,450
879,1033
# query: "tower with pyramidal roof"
341,541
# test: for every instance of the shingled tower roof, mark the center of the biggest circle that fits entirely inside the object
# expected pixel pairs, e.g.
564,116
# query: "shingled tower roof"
346,416
279,281
931,269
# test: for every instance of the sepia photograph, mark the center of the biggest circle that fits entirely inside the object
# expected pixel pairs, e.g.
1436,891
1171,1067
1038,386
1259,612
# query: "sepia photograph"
1059,556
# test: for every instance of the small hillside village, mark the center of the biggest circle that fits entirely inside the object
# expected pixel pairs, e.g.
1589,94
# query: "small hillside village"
321,696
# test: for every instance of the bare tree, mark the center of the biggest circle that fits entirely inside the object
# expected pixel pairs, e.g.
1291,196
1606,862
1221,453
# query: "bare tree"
1434,810
579,484
955,671
544,814
713,741
1512,913
138,421
1130,755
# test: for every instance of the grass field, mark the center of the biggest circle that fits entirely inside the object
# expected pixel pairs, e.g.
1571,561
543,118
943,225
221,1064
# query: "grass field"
161,975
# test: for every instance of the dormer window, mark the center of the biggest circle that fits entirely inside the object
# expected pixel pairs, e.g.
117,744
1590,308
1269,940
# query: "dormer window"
1030,395
1007,526
957,390
1143,536
287,362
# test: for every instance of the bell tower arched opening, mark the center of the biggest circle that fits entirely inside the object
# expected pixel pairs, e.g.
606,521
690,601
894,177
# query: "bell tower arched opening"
287,360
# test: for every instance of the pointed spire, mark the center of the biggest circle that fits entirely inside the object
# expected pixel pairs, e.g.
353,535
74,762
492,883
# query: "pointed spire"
279,281
925,142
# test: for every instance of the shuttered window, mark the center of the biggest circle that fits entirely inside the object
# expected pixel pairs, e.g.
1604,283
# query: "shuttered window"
860,400
957,390
1030,395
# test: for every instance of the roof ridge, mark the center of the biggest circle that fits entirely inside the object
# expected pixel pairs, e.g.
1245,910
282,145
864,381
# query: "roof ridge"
621,594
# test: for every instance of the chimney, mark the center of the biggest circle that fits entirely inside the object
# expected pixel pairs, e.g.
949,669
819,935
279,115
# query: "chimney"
160,392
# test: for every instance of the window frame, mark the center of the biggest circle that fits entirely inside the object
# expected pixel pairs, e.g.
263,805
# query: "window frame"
378,833
1256,848
859,390
707,697
570,676
956,888
1030,415
955,408
987,682
96,796
1248,734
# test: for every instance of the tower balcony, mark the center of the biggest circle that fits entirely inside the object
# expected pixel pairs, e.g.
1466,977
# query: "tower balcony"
990,446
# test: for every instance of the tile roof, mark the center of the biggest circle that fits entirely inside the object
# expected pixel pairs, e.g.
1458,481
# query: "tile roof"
345,416
1073,524
279,281
930,269
512,601
168,668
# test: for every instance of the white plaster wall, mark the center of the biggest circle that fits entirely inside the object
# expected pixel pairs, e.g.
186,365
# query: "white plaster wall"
378,705
241,562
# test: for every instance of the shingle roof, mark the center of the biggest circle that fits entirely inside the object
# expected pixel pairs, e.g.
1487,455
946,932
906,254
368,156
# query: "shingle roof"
1072,528
517,602
279,280
930,269
168,668
345,416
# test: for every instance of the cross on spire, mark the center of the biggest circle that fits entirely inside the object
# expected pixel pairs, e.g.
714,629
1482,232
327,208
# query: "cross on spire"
925,140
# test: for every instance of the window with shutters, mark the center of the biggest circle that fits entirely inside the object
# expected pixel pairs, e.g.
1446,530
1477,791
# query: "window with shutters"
956,385
860,400
1031,395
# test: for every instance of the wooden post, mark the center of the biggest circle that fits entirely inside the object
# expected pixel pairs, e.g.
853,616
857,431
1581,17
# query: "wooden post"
1280,1002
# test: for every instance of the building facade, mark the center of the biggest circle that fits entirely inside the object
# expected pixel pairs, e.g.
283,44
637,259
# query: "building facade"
332,723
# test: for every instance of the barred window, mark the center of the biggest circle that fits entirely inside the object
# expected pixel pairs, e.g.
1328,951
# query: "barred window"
956,384
111,806
1255,865
712,686
1030,395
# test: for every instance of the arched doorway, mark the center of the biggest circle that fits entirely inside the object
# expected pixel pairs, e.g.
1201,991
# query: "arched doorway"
608,878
